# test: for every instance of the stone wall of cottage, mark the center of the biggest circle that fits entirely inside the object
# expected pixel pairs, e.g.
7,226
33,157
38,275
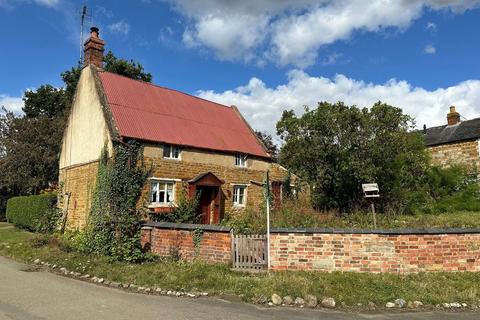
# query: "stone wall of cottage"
465,153
392,253
77,184
231,175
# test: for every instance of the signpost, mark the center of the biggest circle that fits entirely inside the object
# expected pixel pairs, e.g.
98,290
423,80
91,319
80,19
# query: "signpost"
267,194
371,191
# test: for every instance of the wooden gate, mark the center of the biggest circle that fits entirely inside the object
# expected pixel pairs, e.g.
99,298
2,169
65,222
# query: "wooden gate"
249,252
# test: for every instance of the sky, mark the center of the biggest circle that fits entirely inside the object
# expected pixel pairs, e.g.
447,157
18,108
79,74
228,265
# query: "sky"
264,56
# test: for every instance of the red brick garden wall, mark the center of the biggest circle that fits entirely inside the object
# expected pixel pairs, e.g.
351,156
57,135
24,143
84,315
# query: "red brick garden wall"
167,239
400,251
369,252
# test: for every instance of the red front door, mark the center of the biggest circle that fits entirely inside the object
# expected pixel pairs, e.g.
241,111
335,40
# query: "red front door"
206,204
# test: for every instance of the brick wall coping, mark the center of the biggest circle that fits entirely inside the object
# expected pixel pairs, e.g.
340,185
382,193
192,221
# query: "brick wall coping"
186,226
376,231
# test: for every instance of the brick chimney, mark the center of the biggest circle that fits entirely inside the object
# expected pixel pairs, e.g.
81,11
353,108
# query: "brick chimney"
93,49
453,117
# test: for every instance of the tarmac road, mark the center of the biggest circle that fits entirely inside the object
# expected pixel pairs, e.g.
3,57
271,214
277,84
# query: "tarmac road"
35,295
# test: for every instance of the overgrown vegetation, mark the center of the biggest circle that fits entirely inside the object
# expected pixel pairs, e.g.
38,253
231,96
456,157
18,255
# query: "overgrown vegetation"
113,224
185,209
35,213
336,148
351,288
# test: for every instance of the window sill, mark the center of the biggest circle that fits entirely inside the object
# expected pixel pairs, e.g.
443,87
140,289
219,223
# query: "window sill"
172,159
161,205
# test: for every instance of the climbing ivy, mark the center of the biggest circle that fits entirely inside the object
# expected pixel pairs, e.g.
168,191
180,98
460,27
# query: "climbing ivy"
197,236
113,224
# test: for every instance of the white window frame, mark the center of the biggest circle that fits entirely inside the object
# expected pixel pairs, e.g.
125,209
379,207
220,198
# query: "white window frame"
171,152
162,183
241,160
235,196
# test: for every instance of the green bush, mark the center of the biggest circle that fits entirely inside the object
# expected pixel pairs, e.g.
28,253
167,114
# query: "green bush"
185,210
33,213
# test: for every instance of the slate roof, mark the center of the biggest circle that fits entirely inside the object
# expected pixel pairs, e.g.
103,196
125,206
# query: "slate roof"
465,130
148,112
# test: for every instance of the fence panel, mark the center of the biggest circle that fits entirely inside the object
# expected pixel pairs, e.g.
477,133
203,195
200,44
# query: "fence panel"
249,252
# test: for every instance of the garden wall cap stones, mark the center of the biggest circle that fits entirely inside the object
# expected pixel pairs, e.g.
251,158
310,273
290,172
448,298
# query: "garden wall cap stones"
376,231
186,226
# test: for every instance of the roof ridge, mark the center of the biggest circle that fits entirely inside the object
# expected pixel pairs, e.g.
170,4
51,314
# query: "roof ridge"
162,87
446,125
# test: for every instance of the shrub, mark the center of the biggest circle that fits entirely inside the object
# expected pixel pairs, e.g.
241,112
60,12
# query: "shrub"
246,222
185,210
113,224
34,213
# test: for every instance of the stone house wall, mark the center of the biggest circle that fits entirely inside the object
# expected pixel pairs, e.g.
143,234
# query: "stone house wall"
77,184
195,162
465,153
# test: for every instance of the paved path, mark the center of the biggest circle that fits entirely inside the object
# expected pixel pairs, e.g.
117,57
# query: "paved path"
43,295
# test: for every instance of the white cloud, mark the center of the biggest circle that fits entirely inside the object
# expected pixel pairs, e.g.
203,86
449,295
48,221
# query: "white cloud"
48,3
9,4
14,104
292,31
431,26
120,27
263,106
430,49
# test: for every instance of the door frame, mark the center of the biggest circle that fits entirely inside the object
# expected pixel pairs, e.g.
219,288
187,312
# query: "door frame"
208,180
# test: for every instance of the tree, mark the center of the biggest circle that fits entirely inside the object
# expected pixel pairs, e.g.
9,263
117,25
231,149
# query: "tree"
45,101
268,143
30,143
126,68
336,148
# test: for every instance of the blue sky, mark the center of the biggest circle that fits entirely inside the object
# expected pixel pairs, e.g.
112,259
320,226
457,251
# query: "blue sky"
264,56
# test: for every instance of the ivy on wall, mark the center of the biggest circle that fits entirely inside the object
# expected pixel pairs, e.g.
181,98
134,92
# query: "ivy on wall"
113,226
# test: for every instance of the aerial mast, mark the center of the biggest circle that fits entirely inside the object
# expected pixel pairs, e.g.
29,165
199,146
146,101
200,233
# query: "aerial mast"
83,16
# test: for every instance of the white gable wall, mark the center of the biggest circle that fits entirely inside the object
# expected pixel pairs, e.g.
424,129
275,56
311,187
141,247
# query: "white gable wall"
86,133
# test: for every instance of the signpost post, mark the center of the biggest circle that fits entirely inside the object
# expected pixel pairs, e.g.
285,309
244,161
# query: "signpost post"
267,194
371,191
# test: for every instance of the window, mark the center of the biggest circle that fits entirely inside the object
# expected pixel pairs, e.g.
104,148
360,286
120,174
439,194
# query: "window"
239,195
241,160
171,151
162,192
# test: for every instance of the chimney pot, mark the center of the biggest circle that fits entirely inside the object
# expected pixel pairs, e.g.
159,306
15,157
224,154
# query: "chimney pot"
453,117
94,32
93,48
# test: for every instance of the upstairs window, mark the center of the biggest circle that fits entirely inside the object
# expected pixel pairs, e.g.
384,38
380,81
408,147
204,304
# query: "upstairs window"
239,195
240,160
171,151
162,192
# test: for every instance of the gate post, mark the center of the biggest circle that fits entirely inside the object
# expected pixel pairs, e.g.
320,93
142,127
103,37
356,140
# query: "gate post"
232,238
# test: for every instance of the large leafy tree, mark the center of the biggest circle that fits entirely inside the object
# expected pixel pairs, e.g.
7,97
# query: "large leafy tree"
267,140
336,148
30,143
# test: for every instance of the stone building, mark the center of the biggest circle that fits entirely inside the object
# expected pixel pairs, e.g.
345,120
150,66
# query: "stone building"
189,143
457,142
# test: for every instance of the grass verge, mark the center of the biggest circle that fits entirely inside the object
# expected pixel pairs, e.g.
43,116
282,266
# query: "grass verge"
351,288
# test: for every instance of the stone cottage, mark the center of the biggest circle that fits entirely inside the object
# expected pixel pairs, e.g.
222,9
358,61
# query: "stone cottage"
457,142
189,142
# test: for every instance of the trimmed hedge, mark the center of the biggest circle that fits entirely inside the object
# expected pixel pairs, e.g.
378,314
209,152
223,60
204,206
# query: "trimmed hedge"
28,212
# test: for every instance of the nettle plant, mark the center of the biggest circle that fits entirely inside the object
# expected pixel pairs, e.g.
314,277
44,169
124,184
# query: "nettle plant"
113,226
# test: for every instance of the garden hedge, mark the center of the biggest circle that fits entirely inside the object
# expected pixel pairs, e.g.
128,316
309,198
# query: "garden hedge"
26,212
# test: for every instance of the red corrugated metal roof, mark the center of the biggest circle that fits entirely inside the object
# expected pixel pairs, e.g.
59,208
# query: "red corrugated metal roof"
149,112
